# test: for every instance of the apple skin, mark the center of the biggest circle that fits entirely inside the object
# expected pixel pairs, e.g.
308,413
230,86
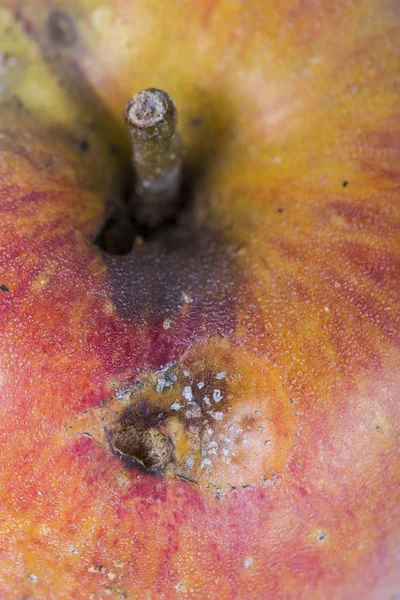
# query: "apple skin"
287,279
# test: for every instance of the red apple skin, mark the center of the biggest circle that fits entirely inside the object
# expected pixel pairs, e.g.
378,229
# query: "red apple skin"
288,279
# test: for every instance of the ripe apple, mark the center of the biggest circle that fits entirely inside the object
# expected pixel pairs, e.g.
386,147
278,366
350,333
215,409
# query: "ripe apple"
211,411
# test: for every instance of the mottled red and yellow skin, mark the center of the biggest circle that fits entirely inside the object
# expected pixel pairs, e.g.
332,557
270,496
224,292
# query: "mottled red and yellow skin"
287,280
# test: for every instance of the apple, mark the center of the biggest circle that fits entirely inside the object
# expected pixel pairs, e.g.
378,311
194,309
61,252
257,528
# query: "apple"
208,408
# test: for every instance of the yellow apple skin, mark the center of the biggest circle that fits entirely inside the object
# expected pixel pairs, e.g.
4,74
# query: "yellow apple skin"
281,294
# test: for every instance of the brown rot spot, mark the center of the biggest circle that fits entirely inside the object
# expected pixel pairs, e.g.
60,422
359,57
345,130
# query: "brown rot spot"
139,434
151,448
204,419
61,29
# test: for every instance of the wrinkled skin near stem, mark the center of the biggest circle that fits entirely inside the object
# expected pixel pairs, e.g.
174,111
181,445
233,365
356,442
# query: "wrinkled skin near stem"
152,119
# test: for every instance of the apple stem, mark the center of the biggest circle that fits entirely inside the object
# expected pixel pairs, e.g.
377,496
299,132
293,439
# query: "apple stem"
157,155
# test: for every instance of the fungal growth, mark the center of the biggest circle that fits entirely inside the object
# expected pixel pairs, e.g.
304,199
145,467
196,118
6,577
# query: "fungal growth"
218,418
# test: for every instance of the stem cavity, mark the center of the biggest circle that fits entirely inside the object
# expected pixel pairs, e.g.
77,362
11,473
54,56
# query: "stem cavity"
157,155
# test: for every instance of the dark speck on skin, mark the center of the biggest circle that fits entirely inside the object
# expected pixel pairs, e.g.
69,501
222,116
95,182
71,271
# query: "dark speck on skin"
196,121
83,146
345,183
61,29
4,288
280,210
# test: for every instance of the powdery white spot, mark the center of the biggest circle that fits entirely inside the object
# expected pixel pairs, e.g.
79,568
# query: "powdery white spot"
186,373
166,324
187,393
268,442
235,428
175,406
217,396
227,452
245,442
123,395
258,413
212,447
189,462
187,299
33,578
200,385
247,563
221,375
206,400
194,412
94,570
7,61
111,575
165,380
218,416
206,462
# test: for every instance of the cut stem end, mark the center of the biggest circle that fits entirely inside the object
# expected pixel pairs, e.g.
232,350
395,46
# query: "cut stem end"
157,155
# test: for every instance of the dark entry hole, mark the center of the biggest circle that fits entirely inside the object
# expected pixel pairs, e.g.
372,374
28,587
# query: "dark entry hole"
138,437
151,448
122,231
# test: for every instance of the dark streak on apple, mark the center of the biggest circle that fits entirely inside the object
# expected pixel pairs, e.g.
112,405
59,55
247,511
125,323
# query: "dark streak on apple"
61,29
185,272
